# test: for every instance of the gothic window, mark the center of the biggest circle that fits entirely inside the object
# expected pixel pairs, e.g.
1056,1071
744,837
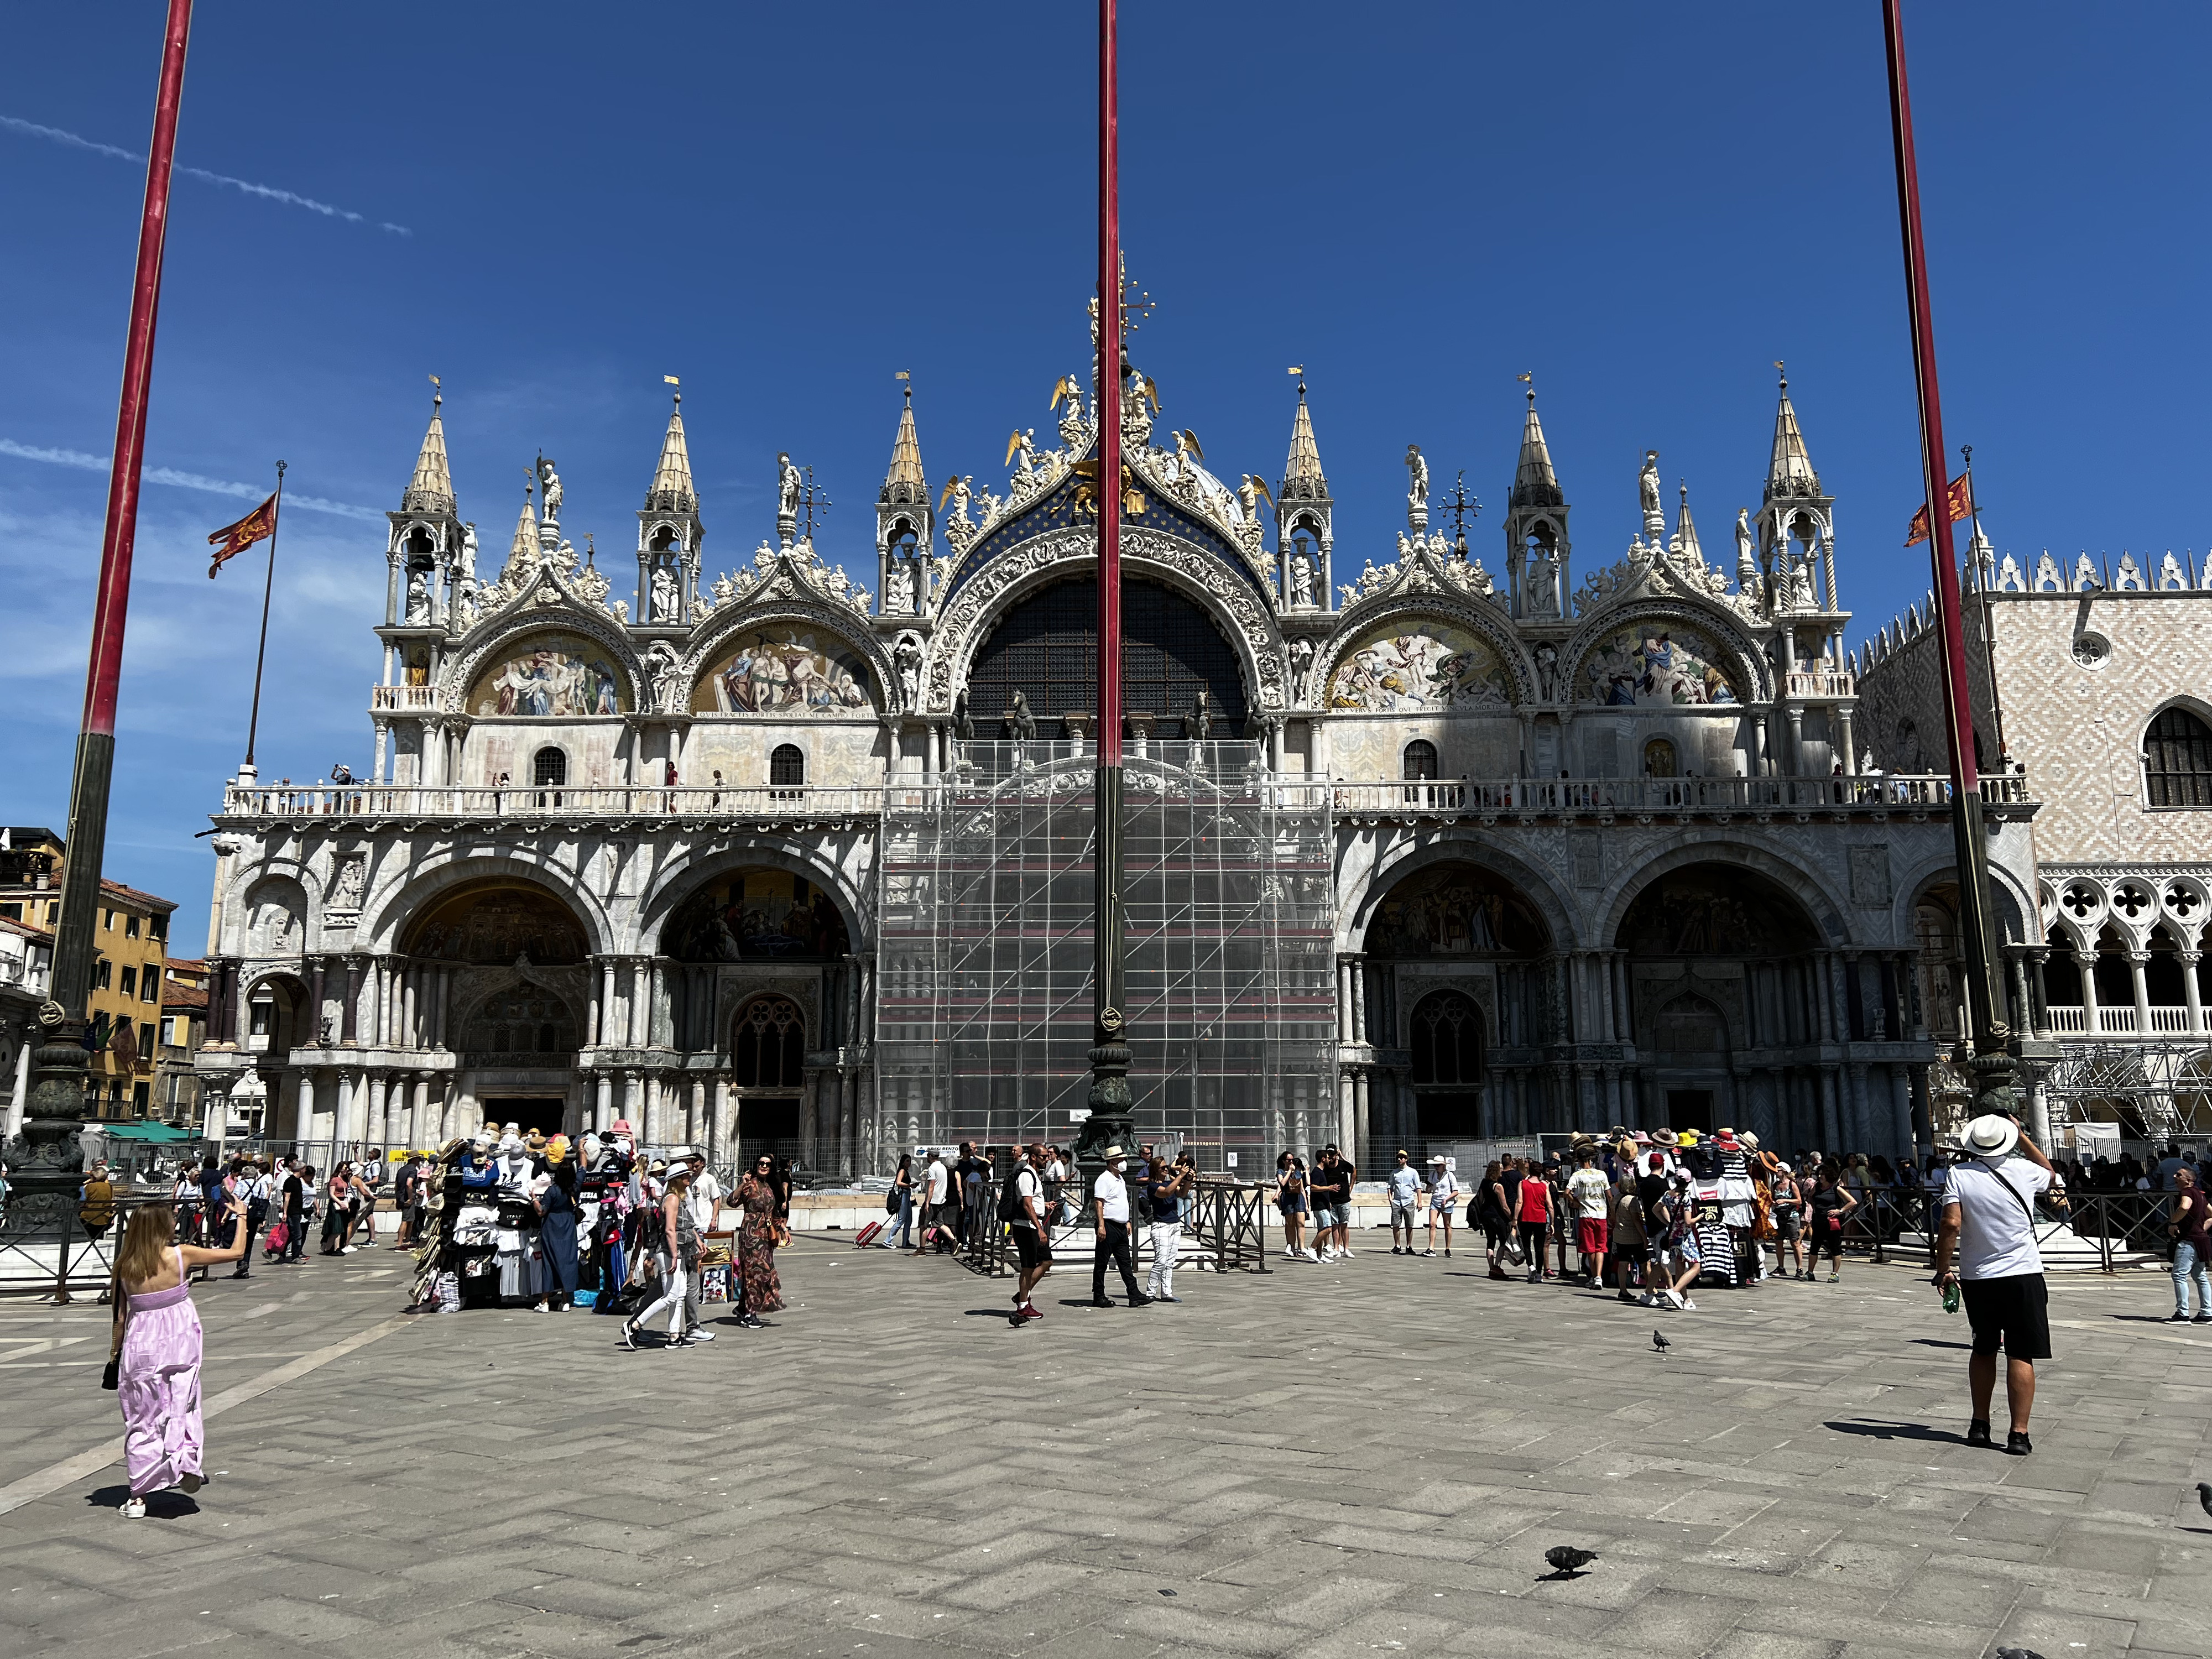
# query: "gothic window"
770,1049
1447,1041
1046,647
2177,761
1420,761
549,767
786,767
1659,758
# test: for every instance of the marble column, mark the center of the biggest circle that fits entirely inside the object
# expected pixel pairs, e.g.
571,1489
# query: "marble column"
1361,1119
2087,962
695,1130
603,1114
381,1129
1858,1134
1346,1117
2138,960
350,1016
2195,997
1900,1113
848,1123
404,1038
2036,959
719,1150
1831,1141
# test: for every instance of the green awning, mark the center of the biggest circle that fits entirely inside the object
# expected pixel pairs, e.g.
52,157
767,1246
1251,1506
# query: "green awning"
155,1132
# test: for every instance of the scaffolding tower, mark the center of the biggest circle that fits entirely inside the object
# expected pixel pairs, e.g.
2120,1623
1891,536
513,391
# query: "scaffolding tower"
985,958
2165,1087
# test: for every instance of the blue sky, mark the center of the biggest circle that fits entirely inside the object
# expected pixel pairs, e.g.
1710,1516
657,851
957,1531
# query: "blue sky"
553,207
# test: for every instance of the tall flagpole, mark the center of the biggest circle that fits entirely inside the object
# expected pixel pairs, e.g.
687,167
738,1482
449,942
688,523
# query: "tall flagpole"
1110,1103
261,651
1989,1030
47,1179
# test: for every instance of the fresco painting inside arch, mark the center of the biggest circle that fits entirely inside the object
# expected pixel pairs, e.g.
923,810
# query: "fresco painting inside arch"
1405,668
785,671
497,925
549,675
757,915
1661,664
1454,911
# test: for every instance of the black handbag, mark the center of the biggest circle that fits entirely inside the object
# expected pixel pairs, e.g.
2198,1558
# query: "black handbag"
111,1379
890,1202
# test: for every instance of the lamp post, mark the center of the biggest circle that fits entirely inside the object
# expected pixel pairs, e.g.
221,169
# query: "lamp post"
1988,1030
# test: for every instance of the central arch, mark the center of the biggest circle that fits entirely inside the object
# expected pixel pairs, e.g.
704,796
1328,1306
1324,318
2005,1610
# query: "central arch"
1046,645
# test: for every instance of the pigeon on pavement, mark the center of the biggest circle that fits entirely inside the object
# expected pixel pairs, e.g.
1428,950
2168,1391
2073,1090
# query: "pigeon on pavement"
2017,1653
2204,1495
1659,1341
1568,1560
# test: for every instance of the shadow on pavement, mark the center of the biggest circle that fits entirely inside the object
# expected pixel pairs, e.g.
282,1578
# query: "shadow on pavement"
1900,1431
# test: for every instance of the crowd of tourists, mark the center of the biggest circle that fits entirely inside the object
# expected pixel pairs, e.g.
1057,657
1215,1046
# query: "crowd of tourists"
506,1218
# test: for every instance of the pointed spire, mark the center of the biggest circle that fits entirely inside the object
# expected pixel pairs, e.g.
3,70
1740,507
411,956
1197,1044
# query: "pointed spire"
1790,472
1686,530
525,546
906,482
671,490
1304,466
1535,483
431,489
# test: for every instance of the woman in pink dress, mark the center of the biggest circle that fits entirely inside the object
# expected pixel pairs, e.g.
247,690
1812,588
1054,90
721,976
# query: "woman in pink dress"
156,1348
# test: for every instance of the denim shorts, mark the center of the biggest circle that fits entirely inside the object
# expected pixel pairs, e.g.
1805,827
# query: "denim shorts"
1333,1215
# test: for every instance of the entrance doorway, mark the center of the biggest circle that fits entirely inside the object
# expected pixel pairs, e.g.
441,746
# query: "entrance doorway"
542,1114
1690,1109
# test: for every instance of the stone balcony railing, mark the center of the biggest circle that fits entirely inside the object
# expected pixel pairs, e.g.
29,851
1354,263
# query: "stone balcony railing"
1719,798
1821,683
387,699
2072,1019
527,803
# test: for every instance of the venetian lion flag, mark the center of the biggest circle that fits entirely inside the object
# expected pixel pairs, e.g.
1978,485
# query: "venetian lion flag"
231,540
1961,499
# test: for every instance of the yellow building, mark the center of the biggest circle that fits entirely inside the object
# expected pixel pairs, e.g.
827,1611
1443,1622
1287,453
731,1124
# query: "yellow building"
131,938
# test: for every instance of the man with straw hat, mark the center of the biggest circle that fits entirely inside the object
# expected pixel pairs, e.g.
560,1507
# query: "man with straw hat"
1111,1193
1986,1246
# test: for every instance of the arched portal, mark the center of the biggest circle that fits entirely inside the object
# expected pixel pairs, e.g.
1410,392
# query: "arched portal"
1451,993
494,973
1046,647
1720,965
768,1055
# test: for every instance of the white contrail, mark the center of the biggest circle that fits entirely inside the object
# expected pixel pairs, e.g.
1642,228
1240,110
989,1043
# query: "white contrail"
269,192
169,474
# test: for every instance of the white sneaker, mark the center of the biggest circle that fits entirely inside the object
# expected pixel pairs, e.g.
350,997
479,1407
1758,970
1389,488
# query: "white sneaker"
1345,1254
1688,1306
1291,1255
1673,1298
1310,1256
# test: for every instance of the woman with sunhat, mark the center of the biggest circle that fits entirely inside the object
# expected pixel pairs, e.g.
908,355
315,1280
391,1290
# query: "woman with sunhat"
557,1207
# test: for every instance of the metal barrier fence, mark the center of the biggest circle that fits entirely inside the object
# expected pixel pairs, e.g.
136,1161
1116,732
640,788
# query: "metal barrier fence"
1227,1220
1891,1224
56,1258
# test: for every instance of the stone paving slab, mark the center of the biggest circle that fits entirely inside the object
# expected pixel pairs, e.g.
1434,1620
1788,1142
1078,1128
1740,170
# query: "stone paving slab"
1343,1460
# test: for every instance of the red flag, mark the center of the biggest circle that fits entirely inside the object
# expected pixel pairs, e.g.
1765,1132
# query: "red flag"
233,539
1961,498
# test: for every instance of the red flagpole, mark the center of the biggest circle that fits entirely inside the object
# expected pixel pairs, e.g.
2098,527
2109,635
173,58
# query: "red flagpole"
1111,1102
1985,1001
61,1063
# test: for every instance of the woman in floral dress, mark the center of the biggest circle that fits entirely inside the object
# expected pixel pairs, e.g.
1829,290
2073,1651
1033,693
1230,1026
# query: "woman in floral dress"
759,1291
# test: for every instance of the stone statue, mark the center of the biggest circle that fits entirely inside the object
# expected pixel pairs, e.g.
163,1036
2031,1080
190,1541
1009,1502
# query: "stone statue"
1024,722
908,658
898,589
786,498
1302,581
1647,490
1417,488
1301,660
662,669
551,490
1747,561
1198,727
352,873
418,600
963,722
621,608
726,588
664,595
1547,671
469,553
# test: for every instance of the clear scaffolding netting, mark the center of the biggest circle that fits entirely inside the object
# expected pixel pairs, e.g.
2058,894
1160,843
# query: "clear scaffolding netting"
985,950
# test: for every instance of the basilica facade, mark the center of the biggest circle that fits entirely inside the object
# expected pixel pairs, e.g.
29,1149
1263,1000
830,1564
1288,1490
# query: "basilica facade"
1448,844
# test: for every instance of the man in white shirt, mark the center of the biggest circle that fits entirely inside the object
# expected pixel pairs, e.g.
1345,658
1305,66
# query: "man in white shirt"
1988,1231
937,1190
704,1195
1031,1239
1112,1193
1590,1195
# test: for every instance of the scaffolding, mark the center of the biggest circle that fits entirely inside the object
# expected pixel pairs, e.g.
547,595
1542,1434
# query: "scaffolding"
985,954
2161,1091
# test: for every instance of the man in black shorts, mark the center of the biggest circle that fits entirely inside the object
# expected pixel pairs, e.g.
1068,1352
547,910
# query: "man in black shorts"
1989,1230
1032,1241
